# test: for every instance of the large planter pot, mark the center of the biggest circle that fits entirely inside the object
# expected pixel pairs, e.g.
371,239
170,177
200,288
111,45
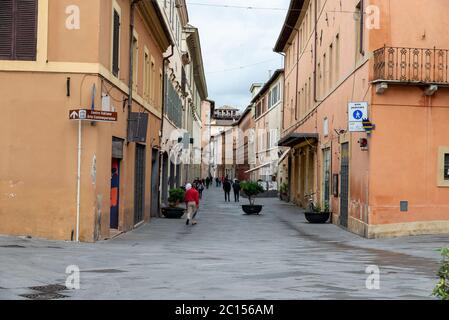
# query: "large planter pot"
283,197
252,209
173,213
317,217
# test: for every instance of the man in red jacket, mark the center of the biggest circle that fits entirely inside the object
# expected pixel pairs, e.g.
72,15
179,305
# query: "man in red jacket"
192,200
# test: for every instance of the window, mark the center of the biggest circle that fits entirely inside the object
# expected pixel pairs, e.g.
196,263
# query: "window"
324,74
446,166
318,89
135,50
153,85
146,76
325,127
275,95
337,57
443,167
116,44
18,30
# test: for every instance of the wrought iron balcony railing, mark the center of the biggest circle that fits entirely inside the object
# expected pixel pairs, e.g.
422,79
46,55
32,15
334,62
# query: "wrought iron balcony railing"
411,65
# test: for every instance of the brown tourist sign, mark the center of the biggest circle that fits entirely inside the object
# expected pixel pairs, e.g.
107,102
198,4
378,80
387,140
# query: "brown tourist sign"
93,115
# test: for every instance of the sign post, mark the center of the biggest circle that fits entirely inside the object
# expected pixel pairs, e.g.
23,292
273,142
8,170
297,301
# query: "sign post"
85,115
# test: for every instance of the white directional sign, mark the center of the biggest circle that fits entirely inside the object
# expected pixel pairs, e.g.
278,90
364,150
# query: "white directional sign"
357,111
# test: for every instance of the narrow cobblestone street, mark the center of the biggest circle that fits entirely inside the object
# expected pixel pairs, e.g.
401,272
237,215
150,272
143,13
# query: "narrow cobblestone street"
228,255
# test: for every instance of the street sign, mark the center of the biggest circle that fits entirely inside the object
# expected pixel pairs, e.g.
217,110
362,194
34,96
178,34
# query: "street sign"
92,115
357,112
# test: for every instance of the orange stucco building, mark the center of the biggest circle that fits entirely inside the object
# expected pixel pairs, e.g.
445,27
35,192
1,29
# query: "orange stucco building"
76,55
392,57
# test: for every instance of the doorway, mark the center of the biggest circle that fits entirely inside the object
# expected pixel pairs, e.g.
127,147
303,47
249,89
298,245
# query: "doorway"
139,185
115,194
326,178
164,191
155,183
344,185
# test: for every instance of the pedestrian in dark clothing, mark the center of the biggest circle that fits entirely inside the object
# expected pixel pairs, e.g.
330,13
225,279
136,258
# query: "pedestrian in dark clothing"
200,188
236,187
227,190
217,182
207,182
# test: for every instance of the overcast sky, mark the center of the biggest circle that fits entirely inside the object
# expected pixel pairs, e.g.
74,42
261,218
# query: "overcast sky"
239,39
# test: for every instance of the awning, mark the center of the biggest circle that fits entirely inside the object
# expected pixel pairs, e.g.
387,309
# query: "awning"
294,139
259,167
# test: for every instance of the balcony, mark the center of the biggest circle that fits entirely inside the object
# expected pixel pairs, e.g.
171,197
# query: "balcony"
415,66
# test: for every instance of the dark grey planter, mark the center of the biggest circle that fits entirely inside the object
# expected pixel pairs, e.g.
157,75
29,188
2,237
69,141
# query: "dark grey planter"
173,213
252,209
317,217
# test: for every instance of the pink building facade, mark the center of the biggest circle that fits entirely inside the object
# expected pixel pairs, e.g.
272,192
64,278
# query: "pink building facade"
388,61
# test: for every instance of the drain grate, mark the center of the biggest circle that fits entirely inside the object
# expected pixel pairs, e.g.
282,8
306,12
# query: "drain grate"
44,296
52,288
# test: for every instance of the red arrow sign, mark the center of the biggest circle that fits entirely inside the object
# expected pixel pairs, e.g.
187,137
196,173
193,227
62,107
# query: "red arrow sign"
93,115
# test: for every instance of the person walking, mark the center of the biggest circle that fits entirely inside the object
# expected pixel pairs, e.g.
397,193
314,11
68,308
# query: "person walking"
236,187
200,188
207,183
227,190
192,200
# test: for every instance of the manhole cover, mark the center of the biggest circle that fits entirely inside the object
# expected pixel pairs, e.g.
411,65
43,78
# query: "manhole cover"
49,288
12,246
44,296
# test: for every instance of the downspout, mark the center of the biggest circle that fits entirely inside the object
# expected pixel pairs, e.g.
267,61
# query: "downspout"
131,62
362,26
315,53
164,98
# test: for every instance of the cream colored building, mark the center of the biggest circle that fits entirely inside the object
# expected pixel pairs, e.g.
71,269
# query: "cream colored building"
268,106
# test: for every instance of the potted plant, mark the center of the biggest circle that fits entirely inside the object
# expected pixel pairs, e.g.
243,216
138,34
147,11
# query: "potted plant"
251,190
173,211
283,192
441,290
314,214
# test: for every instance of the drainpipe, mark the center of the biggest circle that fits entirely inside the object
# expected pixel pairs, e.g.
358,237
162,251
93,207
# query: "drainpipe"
283,98
164,98
362,26
131,62
315,53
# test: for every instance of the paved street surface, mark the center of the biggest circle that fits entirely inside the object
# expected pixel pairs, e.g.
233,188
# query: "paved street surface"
228,255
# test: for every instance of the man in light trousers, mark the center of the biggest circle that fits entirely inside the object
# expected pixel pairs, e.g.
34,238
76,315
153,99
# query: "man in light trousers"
192,200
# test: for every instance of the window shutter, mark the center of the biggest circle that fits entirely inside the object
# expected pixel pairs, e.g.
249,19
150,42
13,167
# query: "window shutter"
116,44
25,29
6,29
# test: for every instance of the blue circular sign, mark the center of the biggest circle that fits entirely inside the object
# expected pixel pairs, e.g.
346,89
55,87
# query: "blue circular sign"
358,115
